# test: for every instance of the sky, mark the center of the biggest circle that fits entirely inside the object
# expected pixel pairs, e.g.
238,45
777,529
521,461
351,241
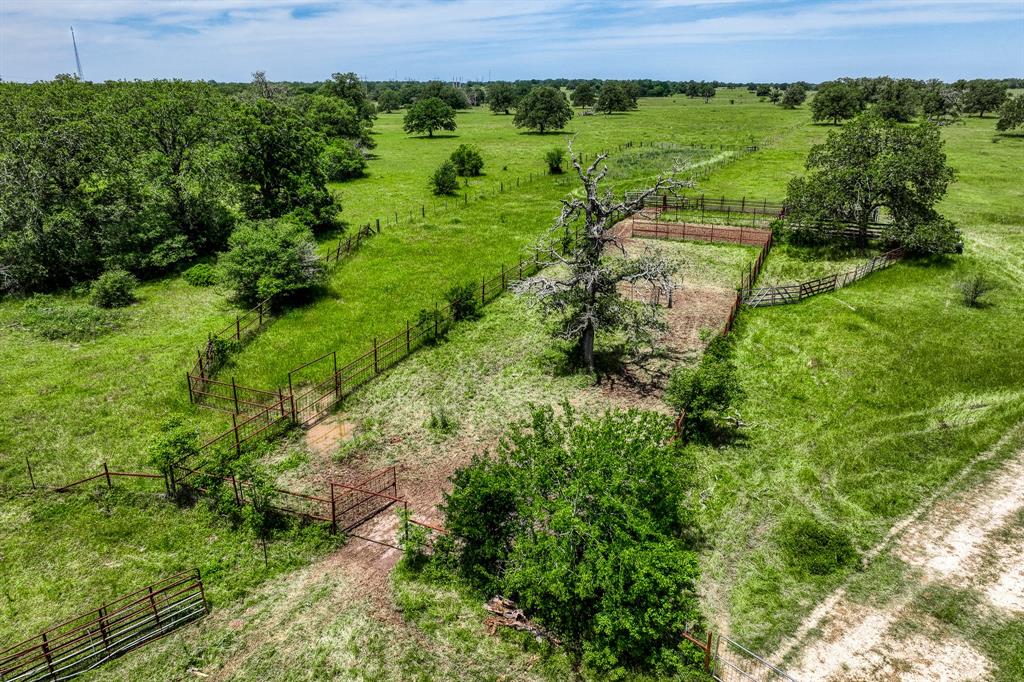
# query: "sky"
307,40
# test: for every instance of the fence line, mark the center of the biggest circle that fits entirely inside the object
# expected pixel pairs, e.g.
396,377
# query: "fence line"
793,293
733,662
84,642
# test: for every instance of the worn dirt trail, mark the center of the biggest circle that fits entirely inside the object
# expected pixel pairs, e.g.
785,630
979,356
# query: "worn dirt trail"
971,540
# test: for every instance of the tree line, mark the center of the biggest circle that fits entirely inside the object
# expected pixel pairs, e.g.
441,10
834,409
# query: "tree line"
148,176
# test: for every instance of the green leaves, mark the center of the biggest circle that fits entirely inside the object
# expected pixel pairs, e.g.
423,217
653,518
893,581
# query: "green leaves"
272,258
586,524
428,115
543,108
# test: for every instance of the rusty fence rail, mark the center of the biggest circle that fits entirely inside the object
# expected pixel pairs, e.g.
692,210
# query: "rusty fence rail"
80,644
793,293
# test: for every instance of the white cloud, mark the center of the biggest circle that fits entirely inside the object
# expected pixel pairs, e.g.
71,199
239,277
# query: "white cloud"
227,39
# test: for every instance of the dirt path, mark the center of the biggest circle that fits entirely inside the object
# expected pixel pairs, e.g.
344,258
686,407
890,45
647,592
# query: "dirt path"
969,541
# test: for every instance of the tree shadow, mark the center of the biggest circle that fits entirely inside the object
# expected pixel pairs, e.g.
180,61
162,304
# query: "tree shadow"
547,133
437,136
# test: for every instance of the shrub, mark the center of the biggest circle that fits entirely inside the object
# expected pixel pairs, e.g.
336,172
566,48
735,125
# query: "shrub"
114,289
929,235
463,302
973,289
271,258
343,161
441,421
430,321
200,275
175,441
554,158
816,547
467,160
55,319
703,393
445,179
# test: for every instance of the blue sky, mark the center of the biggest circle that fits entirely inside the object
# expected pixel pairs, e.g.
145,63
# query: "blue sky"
735,40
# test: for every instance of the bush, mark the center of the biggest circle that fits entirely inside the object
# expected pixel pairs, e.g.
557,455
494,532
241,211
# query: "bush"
176,441
343,161
554,158
927,236
56,319
467,160
441,421
445,179
114,289
200,275
703,393
272,258
816,547
973,289
463,302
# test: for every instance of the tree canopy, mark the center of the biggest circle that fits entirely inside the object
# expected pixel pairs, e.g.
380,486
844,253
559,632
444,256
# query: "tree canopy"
613,97
348,88
895,100
836,101
428,115
982,96
1011,114
543,109
587,524
584,95
271,258
794,96
870,164
501,97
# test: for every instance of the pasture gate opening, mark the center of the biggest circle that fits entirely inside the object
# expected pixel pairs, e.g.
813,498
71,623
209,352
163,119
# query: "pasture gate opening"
88,640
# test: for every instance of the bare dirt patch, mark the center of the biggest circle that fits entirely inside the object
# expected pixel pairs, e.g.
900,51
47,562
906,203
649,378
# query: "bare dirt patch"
324,437
961,542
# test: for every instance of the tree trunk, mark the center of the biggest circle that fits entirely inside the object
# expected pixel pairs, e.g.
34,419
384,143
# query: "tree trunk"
587,346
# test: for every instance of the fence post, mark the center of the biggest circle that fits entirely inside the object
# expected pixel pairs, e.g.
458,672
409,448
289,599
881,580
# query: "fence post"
707,655
152,602
259,308
503,287
101,615
408,339
435,322
106,473
376,367
234,430
336,387
483,290
234,392
280,401
46,652
378,225
423,211
199,356
520,267
334,518
31,478
188,380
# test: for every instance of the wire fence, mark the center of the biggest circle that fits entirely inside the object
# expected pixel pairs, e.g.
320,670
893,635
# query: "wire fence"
726,660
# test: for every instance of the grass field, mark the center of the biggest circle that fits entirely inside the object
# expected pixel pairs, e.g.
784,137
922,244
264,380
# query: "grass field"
858,403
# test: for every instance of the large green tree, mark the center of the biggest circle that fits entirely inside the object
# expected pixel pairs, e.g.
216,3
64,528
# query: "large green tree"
794,96
543,109
279,164
1011,114
428,115
836,101
501,97
271,258
348,88
584,95
587,524
896,100
613,97
867,165
337,120
983,95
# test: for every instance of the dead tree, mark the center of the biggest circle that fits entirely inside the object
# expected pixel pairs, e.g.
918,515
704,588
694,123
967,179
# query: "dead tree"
582,287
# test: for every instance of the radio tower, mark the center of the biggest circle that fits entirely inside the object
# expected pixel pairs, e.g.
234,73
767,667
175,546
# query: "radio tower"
78,62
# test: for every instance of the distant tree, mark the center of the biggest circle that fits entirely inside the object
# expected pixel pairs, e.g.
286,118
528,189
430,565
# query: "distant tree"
445,180
501,97
983,95
449,94
763,90
588,524
467,159
632,90
337,119
544,108
348,87
428,115
584,95
271,258
585,298
343,161
774,95
707,91
871,163
836,101
388,101
1011,114
896,100
940,101
794,96
613,97
262,88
